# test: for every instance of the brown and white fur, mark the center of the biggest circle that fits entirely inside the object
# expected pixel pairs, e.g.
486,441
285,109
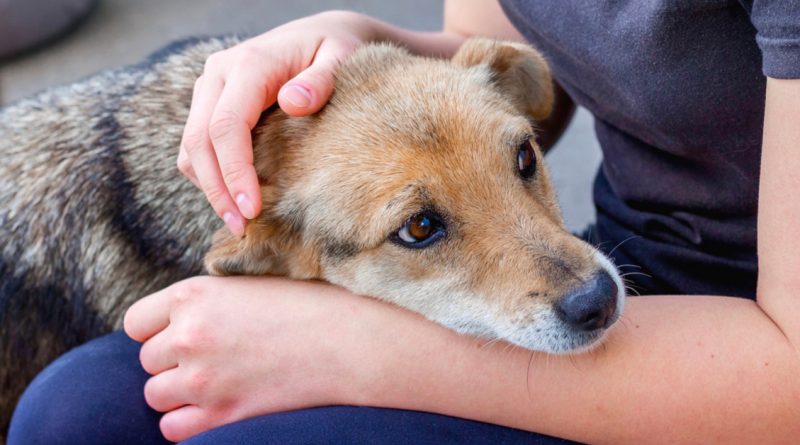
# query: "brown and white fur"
93,214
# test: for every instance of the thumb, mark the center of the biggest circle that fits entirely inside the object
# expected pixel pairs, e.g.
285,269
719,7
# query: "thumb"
310,90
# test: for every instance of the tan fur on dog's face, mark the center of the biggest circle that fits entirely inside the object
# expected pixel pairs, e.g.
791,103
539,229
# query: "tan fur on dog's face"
404,136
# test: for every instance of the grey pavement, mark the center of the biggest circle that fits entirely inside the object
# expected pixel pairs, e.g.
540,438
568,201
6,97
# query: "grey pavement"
121,32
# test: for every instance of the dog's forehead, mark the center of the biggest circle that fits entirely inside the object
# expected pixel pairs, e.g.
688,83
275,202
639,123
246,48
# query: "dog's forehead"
427,103
413,121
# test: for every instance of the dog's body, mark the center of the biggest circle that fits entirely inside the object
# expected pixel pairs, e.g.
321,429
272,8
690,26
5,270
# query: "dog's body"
93,214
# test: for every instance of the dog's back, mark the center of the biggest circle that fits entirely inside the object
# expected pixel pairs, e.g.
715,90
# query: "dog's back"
88,177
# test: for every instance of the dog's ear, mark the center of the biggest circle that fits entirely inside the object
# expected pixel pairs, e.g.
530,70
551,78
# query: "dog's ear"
517,70
270,246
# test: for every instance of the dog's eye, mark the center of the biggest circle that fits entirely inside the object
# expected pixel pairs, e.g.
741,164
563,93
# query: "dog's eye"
421,230
526,160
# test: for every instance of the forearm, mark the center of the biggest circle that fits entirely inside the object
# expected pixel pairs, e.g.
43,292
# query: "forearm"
441,44
461,20
676,370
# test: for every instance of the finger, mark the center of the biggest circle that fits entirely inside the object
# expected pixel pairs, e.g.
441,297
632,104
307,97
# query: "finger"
310,90
192,131
185,167
186,422
201,153
157,354
165,391
244,98
195,131
148,316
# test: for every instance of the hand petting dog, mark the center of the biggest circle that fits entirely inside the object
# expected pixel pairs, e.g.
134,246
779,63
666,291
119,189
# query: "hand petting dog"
239,83
216,152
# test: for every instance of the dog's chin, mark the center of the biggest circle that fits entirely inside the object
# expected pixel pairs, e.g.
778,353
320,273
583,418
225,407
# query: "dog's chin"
550,335
544,333
577,342
560,341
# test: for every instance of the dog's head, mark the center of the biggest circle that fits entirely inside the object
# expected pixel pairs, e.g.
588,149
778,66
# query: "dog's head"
421,183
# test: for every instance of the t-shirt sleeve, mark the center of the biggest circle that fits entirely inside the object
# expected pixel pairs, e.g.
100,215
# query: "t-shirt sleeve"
777,24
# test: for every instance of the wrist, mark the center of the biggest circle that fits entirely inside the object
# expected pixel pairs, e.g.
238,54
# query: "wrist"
371,352
368,353
441,44
362,26
369,29
394,358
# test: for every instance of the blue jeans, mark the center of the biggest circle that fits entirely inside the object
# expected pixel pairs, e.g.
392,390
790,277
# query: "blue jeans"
94,395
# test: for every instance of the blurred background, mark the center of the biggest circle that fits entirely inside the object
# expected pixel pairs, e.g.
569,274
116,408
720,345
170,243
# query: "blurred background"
51,42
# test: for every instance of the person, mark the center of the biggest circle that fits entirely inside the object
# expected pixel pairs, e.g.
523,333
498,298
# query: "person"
697,108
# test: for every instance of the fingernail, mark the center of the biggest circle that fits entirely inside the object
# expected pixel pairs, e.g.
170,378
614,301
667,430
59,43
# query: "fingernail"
234,223
246,206
297,95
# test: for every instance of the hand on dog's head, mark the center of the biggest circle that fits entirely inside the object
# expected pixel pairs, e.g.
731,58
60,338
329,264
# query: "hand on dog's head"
420,183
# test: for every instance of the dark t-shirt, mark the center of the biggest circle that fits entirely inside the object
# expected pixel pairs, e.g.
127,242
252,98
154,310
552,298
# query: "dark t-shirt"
677,90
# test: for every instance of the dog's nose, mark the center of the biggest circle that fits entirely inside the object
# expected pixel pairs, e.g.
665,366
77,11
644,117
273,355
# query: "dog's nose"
590,305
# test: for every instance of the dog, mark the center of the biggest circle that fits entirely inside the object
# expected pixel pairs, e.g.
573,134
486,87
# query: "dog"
420,183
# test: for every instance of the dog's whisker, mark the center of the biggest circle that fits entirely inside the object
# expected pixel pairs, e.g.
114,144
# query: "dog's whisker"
528,375
599,246
633,290
636,273
490,342
629,265
571,359
603,347
623,242
547,361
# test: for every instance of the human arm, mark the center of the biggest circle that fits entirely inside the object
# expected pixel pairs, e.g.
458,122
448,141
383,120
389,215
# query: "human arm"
295,64
708,371
779,209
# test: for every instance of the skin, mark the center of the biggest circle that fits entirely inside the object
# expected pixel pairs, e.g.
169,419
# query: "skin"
677,369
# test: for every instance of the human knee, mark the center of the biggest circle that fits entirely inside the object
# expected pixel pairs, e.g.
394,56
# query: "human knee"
92,394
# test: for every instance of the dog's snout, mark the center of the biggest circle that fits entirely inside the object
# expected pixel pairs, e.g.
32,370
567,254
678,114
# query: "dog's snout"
591,305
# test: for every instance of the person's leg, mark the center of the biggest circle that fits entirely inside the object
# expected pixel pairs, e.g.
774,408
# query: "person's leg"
346,424
94,395
90,395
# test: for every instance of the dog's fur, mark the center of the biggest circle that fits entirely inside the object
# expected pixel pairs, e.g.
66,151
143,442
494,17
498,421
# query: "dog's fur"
94,215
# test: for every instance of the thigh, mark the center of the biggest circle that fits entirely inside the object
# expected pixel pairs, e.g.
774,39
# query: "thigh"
345,424
90,395
94,395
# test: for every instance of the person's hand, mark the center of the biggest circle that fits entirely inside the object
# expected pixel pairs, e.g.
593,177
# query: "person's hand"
293,63
225,349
